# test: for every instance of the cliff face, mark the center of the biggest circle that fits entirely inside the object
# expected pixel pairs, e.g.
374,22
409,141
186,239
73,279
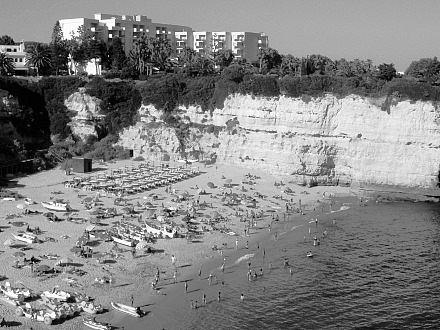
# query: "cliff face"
326,140
87,110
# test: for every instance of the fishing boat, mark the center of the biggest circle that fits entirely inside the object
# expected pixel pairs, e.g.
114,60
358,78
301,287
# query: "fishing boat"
160,231
56,206
133,311
92,323
124,241
56,294
14,293
27,238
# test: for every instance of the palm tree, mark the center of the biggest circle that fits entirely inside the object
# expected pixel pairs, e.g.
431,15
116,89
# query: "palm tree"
6,64
38,57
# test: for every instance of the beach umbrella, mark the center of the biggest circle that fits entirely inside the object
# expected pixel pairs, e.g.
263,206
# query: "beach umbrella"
141,245
90,228
98,255
211,185
18,254
8,242
82,241
43,268
18,223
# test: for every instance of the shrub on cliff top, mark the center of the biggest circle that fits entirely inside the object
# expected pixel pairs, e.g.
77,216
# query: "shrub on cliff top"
411,89
120,101
260,85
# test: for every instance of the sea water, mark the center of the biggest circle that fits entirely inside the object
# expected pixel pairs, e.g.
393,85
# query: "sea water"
376,267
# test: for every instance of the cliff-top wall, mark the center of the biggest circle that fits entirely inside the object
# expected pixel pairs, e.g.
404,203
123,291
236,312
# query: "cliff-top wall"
349,140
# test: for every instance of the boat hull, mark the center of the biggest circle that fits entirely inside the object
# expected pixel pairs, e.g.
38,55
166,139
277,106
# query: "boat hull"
125,309
57,207
123,241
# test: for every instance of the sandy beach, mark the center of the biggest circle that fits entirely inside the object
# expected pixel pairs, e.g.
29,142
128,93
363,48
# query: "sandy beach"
267,198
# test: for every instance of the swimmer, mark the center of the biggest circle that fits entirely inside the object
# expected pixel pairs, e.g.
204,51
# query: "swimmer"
242,297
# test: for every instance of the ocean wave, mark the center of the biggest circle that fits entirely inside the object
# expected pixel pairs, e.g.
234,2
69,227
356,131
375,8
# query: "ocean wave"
245,257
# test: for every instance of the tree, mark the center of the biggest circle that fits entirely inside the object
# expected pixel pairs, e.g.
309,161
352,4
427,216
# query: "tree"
425,68
79,47
58,49
140,55
6,64
290,65
117,57
386,71
160,53
38,56
223,58
6,40
268,59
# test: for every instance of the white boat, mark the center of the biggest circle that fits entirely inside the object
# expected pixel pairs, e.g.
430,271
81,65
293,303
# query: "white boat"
29,201
133,311
56,206
124,241
14,293
56,294
157,231
91,323
24,237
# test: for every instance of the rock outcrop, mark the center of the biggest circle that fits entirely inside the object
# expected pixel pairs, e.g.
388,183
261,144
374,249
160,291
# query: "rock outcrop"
323,140
88,112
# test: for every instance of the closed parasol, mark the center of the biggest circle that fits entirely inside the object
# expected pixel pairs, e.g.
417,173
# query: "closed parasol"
18,223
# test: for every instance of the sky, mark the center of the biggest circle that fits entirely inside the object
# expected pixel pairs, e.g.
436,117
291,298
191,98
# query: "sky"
385,31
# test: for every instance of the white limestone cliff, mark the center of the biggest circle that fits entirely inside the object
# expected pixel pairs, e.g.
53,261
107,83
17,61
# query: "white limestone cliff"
87,110
328,140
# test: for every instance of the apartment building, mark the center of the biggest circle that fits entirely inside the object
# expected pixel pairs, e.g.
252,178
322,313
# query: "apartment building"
128,28
246,45
18,55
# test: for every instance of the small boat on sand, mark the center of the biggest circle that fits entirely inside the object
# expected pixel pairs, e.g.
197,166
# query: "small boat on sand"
133,311
92,323
56,206
124,241
27,238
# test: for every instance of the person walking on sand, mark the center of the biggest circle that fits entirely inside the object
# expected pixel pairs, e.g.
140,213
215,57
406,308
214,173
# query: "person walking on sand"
200,273
210,279
219,296
175,275
247,245
236,243
186,286
173,260
204,299
133,252
132,300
